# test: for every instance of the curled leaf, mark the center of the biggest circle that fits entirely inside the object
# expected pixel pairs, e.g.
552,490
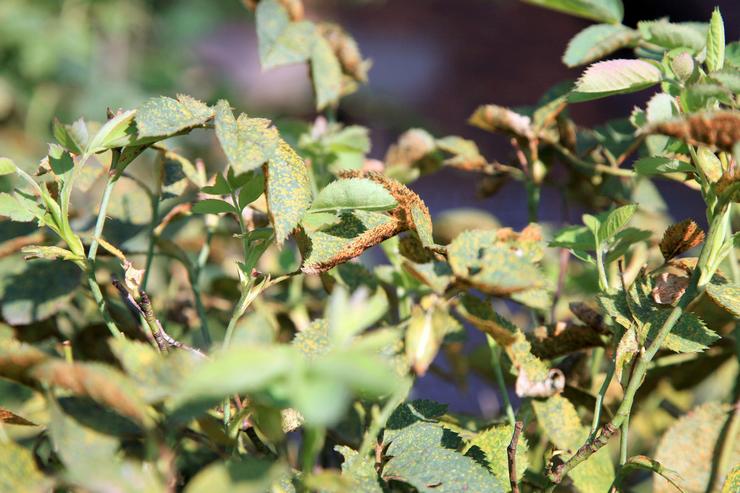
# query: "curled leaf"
720,129
680,238
499,119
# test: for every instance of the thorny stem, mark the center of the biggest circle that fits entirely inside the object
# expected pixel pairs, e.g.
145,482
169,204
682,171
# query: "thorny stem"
93,250
511,454
700,276
499,374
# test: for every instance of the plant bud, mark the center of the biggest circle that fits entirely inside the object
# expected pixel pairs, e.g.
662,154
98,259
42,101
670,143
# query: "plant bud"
710,164
683,66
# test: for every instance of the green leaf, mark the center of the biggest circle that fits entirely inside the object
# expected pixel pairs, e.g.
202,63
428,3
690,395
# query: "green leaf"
610,11
612,77
715,42
435,274
668,35
326,73
250,475
34,291
112,133
19,208
661,107
288,190
18,470
420,456
281,41
220,187
251,190
353,194
732,54
575,238
703,429
347,317
729,78
727,296
559,420
163,116
615,221
658,165
213,206
623,240
240,369
494,442
7,166
596,42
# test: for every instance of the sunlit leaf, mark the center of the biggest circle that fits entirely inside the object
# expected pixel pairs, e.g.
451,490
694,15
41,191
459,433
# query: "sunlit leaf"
727,296
669,35
494,442
326,73
163,116
353,194
610,11
18,471
282,41
612,77
596,42
687,448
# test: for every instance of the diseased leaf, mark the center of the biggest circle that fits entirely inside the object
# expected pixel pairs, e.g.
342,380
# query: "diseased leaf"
353,194
282,41
163,116
560,423
336,242
423,225
612,77
483,317
326,73
688,448
596,42
719,129
288,190
715,42
727,296
19,208
360,471
494,442
421,456
247,142
313,340
610,11
18,471
680,238
732,482
499,119
435,274
483,261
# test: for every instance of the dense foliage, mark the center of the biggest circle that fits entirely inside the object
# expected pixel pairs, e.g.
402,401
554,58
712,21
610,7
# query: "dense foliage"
169,327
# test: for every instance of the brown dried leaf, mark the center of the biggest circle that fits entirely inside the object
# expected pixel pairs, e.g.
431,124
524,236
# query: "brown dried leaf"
720,129
680,238
100,382
13,419
499,119
669,288
346,50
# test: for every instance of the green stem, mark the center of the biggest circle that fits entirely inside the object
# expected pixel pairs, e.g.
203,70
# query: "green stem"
153,225
313,442
371,435
93,251
205,250
499,374
623,439
600,399
699,277
533,200
603,280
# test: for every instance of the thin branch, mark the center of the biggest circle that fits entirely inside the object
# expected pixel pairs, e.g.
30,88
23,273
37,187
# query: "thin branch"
158,330
511,452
